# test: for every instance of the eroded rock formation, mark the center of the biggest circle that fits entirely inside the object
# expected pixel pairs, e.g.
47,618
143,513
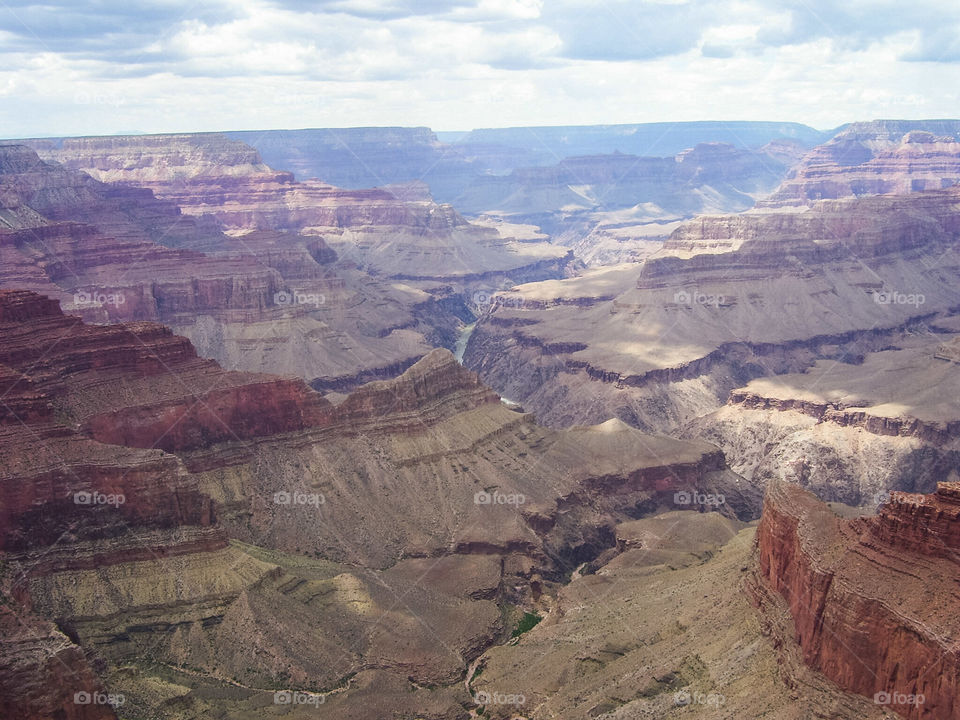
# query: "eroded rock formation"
191,529
396,232
272,299
882,157
733,298
873,599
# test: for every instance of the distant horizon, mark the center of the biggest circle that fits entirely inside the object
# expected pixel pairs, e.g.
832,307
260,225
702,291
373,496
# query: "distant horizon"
434,130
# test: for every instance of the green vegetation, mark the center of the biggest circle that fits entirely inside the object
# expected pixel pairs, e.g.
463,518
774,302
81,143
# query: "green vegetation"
527,622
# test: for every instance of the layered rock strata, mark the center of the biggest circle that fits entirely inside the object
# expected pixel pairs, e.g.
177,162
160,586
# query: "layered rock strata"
395,232
883,157
192,529
269,300
873,599
849,431
664,630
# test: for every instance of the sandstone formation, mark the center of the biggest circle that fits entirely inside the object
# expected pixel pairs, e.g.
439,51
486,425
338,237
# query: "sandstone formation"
847,431
876,158
200,534
873,599
337,286
43,674
749,290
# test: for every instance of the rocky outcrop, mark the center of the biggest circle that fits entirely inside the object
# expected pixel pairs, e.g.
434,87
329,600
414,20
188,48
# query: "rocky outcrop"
271,299
849,431
883,157
924,524
44,675
338,286
861,593
62,489
934,432
661,630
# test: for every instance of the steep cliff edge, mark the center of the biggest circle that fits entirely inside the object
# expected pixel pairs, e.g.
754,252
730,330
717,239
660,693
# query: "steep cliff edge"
43,674
873,599
849,431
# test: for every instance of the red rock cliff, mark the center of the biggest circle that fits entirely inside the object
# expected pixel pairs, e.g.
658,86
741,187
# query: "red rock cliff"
874,600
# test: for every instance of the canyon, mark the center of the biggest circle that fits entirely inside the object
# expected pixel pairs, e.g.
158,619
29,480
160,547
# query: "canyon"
450,163
242,474
883,157
188,528
620,207
734,309
860,593
380,287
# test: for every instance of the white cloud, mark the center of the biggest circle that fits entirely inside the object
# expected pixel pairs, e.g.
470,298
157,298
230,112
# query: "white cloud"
457,64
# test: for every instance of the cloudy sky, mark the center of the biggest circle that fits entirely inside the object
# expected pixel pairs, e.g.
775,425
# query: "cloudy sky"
72,67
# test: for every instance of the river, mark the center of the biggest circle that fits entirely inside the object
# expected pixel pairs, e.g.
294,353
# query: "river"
461,347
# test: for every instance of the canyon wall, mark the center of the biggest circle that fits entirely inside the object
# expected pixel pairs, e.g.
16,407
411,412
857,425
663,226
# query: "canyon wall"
873,599
882,157
807,295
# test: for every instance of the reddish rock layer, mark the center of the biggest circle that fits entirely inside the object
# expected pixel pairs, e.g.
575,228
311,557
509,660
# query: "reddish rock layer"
874,600
876,158
142,386
400,465
43,675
